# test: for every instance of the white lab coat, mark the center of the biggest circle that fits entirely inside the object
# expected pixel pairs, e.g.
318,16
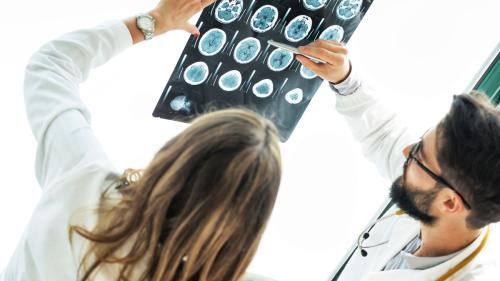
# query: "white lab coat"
399,231
71,166
383,138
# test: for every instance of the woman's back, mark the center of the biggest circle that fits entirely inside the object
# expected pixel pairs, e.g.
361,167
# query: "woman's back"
196,213
208,206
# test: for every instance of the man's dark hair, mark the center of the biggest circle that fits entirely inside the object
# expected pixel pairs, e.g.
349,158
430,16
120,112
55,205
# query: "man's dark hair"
469,155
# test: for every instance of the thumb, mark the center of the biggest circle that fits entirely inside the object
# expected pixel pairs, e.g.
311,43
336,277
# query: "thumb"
191,29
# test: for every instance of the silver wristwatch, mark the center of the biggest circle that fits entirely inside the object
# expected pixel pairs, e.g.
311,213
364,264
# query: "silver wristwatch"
146,23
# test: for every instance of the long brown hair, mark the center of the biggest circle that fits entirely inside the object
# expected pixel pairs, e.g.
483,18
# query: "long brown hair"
198,211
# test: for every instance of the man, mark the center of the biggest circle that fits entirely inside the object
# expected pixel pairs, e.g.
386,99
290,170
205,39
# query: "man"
448,183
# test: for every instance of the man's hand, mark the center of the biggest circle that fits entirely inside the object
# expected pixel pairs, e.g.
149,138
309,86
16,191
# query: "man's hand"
174,14
336,67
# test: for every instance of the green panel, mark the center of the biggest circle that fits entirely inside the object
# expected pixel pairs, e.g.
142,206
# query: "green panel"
490,82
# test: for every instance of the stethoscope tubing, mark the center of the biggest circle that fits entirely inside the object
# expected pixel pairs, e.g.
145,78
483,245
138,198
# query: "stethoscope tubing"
366,234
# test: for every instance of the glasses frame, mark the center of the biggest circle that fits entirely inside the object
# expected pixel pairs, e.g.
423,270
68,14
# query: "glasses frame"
438,179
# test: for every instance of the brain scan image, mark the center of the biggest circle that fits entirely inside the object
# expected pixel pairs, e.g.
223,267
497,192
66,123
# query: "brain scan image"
298,28
279,59
314,5
230,81
264,18
333,33
246,50
228,11
307,73
212,42
294,96
348,9
263,88
196,73
181,103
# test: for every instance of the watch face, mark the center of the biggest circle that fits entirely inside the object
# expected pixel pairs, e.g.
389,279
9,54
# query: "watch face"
145,24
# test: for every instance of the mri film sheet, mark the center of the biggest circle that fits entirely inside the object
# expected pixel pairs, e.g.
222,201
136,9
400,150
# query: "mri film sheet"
231,64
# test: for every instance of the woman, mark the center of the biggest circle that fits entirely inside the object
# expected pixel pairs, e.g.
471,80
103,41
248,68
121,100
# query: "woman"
196,212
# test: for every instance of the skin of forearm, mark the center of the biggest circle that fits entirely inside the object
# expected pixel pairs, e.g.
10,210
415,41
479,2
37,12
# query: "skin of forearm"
136,34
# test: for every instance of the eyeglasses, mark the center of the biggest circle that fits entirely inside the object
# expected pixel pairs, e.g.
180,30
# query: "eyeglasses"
439,179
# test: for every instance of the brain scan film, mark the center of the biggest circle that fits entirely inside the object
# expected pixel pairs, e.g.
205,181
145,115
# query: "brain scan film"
264,18
228,11
212,42
230,81
181,103
246,50
314,5
333,33
348,9
196,73
294,96
279,59
298,28
307,73
263,88
233,63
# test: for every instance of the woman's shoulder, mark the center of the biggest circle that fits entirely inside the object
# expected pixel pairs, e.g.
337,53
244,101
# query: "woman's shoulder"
70,200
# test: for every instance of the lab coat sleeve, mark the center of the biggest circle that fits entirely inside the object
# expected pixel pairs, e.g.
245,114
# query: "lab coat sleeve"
58,118
379,130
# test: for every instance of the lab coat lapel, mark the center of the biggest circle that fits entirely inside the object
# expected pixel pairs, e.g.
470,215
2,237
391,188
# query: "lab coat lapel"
428,274
403,232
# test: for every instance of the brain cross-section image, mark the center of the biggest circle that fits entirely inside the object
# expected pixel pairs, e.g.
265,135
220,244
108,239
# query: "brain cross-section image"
279,59
181,103
228,11
264,18
307,73
333,33
246,50
314,5
348,9
230,81
263,88
298,28
212,42
196,73
295,96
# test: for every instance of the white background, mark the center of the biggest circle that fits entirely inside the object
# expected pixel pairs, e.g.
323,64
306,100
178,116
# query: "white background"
417,53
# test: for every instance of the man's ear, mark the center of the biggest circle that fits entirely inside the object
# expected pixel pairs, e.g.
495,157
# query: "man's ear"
449,201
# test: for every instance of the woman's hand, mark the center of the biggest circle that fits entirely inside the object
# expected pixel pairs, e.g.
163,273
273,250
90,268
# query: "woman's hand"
336,67
174,14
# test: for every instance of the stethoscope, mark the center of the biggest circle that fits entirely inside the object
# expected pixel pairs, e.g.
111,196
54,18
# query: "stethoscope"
366,234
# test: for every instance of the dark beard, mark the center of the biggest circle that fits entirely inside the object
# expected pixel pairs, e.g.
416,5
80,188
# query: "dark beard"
414,203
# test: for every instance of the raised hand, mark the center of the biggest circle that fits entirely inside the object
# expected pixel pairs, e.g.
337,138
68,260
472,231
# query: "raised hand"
336,67
174,14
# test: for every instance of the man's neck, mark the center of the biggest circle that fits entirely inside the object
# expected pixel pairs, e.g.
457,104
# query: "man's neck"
445,238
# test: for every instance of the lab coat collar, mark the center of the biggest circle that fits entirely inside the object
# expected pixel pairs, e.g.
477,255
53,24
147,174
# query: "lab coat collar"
403,232
427,274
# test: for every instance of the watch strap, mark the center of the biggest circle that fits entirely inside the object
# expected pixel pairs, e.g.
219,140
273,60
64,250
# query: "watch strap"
148,35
